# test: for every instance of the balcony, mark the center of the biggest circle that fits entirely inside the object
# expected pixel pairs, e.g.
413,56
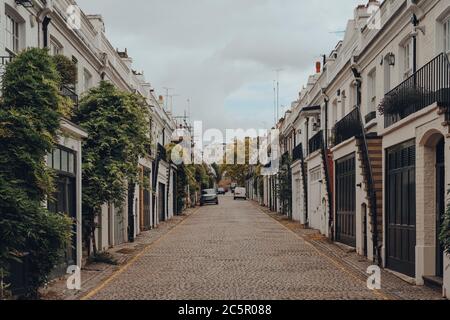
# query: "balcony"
348,127
71,94
162,153
430,84
297,153
316,142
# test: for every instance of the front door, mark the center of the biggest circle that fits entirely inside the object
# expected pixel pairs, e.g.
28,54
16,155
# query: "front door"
440,204
162,202
401,208
316,199
346,200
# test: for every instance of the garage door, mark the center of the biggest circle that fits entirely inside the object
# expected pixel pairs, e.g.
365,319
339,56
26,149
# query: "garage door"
346,201
401,208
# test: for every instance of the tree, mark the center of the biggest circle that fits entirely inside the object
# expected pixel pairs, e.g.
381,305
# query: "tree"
445,230
66,68
30,114
118,126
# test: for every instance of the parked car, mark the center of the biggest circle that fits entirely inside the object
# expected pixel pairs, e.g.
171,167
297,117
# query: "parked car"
221,191
209,196
240,193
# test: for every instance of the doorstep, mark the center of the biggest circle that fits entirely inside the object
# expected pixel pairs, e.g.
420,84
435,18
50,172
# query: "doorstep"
435,283
402,276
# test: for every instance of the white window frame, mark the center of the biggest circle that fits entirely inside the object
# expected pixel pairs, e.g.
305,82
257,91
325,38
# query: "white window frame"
12,33
408,58
87,80
55,47
446,26
372,91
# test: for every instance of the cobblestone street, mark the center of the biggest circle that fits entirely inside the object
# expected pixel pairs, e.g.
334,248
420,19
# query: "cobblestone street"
236,251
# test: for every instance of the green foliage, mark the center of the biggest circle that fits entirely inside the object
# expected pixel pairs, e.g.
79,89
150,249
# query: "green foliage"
284,187
66,68
118,125
104,257
30,113
445,230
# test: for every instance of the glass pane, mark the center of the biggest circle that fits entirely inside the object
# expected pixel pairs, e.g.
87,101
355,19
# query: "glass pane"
57,159
71,163
64,160
50,160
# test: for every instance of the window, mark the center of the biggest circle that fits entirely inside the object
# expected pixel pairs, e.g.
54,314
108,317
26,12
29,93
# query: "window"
343,104
87,80
12,34
407,59
372,91
447,35
55,48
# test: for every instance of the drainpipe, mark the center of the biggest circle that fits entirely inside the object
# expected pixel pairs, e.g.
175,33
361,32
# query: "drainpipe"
45,24
415,23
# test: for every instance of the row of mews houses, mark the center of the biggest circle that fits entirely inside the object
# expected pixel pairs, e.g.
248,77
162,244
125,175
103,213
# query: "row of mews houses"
369,140
51,24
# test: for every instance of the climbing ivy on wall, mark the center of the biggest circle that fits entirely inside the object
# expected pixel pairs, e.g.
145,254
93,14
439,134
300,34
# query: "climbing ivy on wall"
30,112
445,230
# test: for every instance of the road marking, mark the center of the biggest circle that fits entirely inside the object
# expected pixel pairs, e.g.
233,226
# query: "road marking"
333,261
125,267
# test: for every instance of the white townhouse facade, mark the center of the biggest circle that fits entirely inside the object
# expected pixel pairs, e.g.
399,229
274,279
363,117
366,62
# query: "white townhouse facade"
46,24
371,153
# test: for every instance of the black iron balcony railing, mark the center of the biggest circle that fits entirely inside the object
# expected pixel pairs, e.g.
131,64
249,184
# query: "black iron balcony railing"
348,127
316,142
297,153
430,84
162,153
4,60
71,94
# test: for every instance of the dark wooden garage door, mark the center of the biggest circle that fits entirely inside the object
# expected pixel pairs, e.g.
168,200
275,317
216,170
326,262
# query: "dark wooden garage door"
401,208
346,201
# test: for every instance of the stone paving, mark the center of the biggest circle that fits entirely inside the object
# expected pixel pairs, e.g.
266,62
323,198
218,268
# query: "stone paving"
235,251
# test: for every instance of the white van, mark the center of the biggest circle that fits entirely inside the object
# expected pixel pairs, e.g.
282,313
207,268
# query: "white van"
240,193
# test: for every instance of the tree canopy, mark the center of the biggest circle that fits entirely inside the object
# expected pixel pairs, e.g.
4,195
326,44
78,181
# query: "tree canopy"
118,124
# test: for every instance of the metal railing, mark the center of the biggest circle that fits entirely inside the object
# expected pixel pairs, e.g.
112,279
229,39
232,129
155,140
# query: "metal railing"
297,153
430,84
316,142
162,153
71,94
348,127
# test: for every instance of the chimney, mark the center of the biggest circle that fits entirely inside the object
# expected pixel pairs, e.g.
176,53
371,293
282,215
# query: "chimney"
318,67
161,100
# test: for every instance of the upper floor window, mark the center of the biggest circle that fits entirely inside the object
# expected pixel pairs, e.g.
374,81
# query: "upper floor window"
372,91
447,35
407,59
87,80
55,48
12,34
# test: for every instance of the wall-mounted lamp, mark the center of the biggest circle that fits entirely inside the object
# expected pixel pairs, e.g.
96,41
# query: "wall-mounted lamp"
390,58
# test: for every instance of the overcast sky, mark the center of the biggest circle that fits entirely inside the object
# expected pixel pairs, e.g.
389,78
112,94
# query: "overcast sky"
222,53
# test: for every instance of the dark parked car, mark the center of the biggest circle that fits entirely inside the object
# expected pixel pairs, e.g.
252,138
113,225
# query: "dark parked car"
209,196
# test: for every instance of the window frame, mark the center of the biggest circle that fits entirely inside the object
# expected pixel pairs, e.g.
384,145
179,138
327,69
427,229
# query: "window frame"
12,36
372,91
446,27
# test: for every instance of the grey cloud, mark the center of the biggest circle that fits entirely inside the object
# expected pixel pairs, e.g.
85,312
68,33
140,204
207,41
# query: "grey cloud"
210,49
